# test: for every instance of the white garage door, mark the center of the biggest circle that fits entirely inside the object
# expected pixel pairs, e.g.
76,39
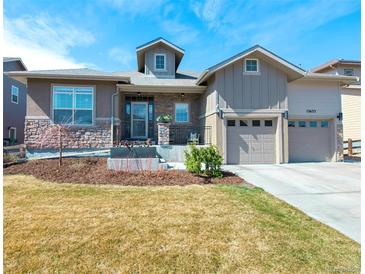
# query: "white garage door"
310,140
251,141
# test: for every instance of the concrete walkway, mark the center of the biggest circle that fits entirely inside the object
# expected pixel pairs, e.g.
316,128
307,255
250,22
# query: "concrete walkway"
328,192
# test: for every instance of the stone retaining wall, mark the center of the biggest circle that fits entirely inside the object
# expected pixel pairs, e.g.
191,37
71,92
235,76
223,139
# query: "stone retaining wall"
38,135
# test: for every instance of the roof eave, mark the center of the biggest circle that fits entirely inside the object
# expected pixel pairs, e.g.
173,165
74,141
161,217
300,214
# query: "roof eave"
17,60
162,88
160,40
16,74
342,79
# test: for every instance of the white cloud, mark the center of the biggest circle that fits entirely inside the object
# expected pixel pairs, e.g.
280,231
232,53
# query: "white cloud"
122,56
180,33
242,22
44,42
209,11
134,7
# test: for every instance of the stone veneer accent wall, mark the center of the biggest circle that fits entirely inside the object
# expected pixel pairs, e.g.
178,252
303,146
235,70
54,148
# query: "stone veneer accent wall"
339,137
36,137
163,133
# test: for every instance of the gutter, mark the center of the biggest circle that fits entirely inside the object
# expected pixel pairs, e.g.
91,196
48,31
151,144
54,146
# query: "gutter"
67,76
161,88
330,77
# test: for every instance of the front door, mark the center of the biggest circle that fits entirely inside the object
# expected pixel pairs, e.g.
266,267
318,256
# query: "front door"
139,119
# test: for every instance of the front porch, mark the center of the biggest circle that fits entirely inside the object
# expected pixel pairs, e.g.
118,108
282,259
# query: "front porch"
137,114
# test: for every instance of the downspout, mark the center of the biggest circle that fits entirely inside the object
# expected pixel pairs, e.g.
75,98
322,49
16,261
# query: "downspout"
112,118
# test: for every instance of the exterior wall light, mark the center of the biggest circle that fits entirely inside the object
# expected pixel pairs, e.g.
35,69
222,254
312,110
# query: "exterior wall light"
340,116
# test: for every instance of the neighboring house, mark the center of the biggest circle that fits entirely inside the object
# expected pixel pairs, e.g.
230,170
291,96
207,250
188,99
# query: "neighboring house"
350,95
255,107
14,100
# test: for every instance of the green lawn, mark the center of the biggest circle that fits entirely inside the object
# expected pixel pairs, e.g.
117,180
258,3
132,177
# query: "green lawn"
51,227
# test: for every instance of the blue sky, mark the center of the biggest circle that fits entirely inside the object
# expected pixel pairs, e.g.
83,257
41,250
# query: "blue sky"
103,34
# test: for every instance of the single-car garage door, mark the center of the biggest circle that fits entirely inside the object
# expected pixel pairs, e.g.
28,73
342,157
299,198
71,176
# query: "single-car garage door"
310,140
251,141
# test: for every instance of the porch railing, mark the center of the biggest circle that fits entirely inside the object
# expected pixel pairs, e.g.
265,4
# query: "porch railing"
179,134
184,134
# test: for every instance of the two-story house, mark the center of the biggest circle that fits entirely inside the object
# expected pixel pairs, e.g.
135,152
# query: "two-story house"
350,94
14,102
256,107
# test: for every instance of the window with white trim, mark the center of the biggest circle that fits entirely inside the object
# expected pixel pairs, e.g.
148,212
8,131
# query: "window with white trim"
348,72
181,112
14,94
12,133
251,65
160,61
73,105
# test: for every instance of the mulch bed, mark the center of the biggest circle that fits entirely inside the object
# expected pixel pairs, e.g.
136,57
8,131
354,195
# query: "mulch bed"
93,171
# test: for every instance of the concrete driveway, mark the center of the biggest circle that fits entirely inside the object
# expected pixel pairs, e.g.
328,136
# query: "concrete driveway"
328,192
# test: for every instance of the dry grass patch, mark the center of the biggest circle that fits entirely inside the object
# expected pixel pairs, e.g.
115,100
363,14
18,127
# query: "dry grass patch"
192,229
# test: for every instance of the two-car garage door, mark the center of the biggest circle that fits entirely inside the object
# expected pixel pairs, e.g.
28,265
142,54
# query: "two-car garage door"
310,140
251,141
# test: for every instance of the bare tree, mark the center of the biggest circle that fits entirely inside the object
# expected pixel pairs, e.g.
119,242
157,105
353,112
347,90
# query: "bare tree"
57,131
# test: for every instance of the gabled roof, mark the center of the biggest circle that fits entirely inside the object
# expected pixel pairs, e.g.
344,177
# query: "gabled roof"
14,59
293,71
140,50
77,74
335,62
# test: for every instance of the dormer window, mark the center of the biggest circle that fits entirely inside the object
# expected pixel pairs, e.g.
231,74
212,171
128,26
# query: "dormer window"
251,65
160,61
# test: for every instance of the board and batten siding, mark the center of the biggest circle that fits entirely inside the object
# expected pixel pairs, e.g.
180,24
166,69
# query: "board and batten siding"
351,108
208,99
238,90
321,96
150,62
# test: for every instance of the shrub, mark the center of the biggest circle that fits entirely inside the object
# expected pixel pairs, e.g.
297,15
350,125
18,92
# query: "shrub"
164,118
212,161
209,157
193,160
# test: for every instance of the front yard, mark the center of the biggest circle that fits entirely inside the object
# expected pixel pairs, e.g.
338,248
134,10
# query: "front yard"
51,227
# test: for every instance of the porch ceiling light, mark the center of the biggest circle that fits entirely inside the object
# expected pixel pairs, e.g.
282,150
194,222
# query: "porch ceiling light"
138,94
182,95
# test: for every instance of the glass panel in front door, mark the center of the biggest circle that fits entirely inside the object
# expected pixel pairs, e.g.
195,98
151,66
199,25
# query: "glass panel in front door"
139,120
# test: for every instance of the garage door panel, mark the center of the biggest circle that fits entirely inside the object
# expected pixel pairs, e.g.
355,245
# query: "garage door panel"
310,144
255,145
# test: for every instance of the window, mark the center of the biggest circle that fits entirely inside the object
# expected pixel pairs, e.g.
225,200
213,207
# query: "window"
348,72
251,65
231,123
313,123
73,105
160,61
181,112
243,123
14,94
268,123
291,123
324,123
12,134
255,123
302,124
